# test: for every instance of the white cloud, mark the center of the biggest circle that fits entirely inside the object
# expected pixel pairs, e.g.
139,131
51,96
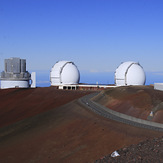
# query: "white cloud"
159,73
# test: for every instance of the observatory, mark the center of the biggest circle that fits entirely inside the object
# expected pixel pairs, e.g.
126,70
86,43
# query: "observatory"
129,73
15,74
64,73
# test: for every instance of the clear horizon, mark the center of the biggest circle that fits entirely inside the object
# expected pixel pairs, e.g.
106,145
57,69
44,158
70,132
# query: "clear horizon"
43,78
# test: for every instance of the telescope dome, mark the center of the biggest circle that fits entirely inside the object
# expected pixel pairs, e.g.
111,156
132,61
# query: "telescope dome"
130,73
64,72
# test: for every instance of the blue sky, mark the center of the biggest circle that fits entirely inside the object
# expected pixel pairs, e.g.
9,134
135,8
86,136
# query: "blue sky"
97,35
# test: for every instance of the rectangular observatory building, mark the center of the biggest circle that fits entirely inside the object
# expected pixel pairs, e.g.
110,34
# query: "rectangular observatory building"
15,74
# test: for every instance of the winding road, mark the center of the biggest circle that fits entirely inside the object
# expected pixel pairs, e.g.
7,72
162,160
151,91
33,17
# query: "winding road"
111,114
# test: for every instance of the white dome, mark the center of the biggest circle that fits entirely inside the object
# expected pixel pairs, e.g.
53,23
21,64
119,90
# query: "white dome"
64,72
129,73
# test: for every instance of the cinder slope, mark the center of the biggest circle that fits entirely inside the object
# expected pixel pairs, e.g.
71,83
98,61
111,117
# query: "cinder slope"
150,150
18,104
70,133
136,101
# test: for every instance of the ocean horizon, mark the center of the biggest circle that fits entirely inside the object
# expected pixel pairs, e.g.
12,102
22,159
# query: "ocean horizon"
43,78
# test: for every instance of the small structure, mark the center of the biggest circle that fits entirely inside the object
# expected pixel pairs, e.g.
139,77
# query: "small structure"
64,73
33,80
129,73
151,114
15,74
158,86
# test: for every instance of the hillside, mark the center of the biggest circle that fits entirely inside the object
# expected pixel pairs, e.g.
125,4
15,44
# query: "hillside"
48,125
136,101
18,104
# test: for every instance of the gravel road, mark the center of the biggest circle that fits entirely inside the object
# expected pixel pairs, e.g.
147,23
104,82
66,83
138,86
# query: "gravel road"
103,111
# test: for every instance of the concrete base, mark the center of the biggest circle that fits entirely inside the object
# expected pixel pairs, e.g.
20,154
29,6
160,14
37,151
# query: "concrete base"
14,84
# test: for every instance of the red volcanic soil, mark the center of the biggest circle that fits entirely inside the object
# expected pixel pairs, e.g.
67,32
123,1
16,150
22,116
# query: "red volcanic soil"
18,104
69,133
158,116
136,101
